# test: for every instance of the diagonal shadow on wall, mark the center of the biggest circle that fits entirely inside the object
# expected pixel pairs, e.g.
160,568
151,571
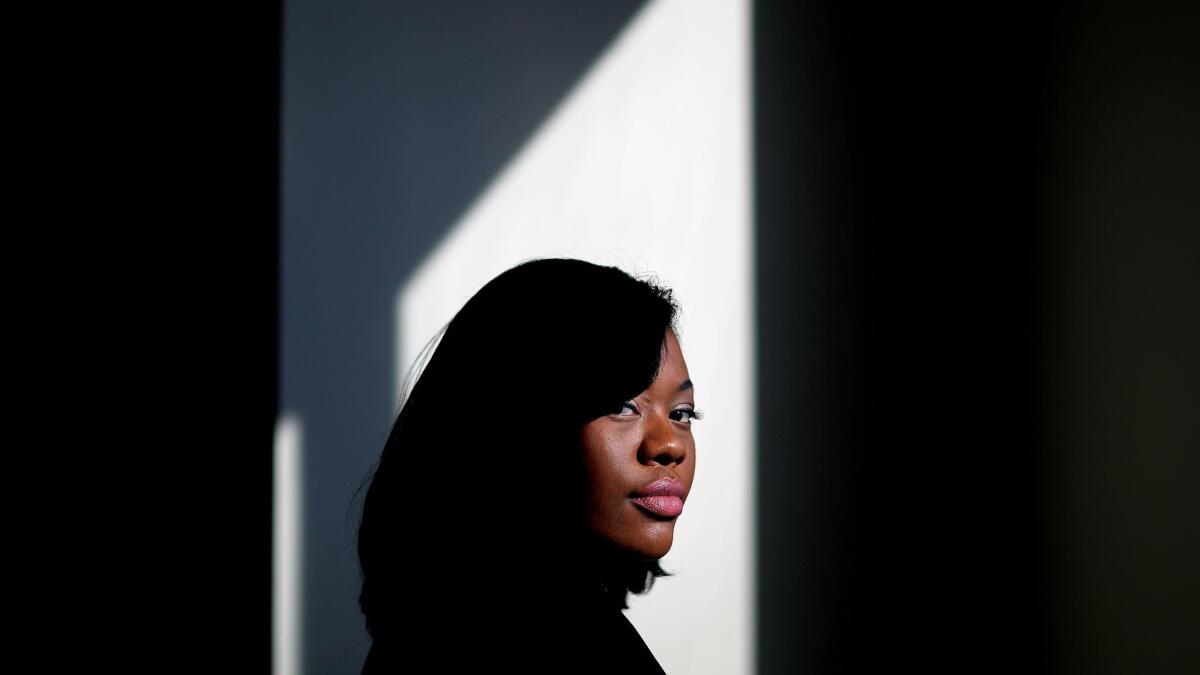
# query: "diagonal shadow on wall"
395,118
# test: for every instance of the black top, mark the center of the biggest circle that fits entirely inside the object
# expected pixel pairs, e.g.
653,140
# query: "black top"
574,632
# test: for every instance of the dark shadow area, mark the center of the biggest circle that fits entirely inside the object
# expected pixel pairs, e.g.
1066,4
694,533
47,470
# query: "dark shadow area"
163,131
976,315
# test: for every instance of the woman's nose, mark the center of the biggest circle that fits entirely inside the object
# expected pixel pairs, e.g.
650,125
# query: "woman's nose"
662,444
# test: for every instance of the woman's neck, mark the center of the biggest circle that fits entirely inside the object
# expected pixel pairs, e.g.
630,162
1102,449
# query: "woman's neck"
601,566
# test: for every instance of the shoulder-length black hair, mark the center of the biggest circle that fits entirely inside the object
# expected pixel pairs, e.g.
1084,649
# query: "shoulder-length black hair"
476,499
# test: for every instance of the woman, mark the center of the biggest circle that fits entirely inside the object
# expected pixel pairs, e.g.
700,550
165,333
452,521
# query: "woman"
532,479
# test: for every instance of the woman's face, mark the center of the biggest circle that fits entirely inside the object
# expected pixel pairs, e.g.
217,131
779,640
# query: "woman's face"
648,440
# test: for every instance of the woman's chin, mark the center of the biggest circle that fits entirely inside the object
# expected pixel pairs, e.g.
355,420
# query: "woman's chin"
653,549
653,543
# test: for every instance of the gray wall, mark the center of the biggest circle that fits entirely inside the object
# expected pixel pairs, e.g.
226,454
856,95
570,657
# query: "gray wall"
395,116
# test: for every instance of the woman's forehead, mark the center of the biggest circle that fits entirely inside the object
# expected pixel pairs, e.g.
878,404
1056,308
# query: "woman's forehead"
674,368
673,348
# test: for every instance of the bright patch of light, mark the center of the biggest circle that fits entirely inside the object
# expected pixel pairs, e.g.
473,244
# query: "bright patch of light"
287,602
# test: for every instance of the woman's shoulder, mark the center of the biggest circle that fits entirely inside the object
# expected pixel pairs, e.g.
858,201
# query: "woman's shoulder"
570,633
635,655
579,633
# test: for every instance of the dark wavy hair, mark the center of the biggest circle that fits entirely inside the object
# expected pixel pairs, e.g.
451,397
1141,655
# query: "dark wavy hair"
477,497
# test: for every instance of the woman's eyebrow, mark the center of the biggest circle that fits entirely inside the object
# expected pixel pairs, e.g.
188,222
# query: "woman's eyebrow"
686,384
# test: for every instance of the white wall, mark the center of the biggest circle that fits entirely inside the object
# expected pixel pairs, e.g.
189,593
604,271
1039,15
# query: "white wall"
647,165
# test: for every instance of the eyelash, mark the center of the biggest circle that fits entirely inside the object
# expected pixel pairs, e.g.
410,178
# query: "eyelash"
693,413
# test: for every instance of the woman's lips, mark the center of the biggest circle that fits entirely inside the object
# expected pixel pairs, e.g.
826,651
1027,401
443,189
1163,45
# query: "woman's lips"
662,506
663,497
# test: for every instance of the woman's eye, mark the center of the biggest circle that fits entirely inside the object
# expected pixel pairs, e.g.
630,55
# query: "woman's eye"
691,413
